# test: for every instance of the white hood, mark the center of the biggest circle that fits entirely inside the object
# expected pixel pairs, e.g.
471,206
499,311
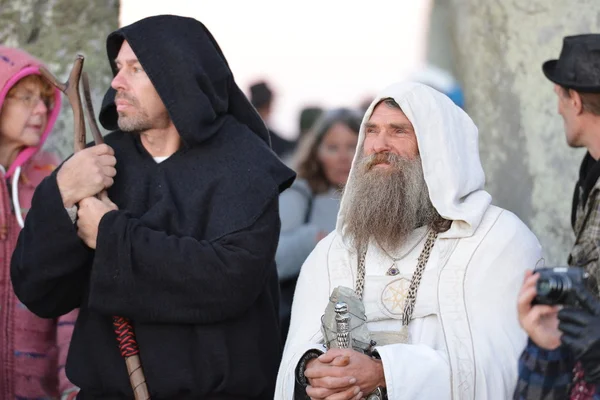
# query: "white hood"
449,149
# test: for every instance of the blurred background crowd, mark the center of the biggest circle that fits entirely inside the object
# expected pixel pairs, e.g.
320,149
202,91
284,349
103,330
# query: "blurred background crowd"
311,68
298,59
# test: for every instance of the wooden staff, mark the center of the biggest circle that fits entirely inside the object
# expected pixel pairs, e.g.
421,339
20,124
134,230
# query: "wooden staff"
123,328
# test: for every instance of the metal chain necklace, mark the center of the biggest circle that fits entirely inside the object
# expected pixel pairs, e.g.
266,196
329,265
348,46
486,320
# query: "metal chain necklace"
411,298
393,270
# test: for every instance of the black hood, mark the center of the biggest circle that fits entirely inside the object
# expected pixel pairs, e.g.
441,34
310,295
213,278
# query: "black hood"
190,74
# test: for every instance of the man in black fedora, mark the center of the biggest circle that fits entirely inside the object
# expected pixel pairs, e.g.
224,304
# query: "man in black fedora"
562,357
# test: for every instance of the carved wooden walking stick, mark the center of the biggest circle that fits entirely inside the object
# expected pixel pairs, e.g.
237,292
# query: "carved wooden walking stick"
122,326
71,89
89,108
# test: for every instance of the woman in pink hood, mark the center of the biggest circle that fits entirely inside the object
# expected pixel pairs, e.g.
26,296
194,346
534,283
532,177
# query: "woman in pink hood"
33,350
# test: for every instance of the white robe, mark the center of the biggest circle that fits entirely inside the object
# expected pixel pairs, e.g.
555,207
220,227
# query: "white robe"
486,340
465,335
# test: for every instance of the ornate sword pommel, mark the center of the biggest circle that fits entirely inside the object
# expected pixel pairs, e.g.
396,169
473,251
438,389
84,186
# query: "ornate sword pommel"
340,308
342,319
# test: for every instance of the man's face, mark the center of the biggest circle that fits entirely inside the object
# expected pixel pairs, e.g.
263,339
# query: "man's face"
390,131
138,104
567,111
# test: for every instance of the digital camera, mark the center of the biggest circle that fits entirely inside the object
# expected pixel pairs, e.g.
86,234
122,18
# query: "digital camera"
555,285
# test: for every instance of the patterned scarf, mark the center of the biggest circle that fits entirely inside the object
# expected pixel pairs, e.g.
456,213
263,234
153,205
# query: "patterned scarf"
581,390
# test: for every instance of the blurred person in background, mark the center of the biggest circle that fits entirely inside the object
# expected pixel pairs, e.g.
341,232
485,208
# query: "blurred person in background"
34,350
434,77
308,116
261,97
309,208
442,81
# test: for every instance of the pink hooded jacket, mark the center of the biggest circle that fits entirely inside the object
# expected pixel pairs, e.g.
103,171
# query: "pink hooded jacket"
33,350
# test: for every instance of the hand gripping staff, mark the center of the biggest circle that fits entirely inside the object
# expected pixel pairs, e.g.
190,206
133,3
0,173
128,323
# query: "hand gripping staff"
122,326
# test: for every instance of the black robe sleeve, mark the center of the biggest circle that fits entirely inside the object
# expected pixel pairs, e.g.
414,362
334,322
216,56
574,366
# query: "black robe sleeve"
151,276
50,264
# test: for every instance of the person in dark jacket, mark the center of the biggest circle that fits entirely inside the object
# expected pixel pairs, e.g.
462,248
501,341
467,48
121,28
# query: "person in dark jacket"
261,97
185,246
562,357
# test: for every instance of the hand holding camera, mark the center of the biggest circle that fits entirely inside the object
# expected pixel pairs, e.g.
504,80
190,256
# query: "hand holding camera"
581,331
576,326
539,321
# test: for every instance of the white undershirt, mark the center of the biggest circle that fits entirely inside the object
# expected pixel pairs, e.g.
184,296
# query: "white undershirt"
160,159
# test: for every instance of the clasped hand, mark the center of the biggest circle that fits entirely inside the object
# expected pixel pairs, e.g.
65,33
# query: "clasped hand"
83,177
91,210
86,173
343,374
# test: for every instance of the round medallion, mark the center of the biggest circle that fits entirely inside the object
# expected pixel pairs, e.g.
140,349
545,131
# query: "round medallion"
394,295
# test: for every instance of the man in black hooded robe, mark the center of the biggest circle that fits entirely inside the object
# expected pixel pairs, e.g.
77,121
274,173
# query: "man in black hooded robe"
185,246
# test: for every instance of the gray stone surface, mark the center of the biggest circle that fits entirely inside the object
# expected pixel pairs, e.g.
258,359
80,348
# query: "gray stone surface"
55,31
499,48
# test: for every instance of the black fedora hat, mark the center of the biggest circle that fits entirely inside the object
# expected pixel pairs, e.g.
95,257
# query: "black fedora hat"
578,66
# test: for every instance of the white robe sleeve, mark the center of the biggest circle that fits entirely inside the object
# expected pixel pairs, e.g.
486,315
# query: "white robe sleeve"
415,372
310,299
494,279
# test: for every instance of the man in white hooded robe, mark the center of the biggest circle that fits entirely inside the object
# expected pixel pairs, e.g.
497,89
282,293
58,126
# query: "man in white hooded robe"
464,338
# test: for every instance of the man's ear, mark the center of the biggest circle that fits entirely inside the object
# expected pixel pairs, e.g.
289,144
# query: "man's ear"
576,102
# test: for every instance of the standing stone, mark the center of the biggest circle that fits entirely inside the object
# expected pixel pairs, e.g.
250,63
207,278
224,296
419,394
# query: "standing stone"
55,31
499,48
440,47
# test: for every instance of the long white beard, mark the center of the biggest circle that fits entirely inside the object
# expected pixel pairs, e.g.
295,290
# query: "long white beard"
386,205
